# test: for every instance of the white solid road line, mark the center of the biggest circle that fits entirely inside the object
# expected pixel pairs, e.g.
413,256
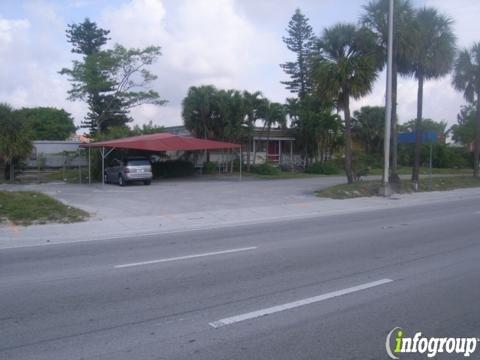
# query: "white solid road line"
295,304
185,257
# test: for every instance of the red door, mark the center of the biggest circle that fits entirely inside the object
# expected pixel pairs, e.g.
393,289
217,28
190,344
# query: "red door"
273,154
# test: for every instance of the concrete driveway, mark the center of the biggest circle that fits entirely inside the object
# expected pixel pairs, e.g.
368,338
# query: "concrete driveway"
182,195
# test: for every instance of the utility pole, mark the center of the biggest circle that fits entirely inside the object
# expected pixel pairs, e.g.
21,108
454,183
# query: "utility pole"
386,190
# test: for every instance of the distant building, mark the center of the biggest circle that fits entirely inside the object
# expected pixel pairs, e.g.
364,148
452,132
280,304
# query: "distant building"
57,153
79,138
274,145
179,130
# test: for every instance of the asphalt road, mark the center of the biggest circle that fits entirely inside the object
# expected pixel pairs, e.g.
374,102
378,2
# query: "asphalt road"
326,288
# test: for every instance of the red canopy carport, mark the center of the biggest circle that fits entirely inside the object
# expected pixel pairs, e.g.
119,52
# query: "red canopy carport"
159,142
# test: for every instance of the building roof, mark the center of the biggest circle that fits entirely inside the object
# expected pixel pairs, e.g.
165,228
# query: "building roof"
178,130
259,133
273,134
162,142
79,138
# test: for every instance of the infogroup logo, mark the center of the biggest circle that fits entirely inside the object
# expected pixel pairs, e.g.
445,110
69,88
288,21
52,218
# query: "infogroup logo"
397,343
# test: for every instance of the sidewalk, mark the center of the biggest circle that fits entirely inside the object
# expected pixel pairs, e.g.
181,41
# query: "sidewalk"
13,236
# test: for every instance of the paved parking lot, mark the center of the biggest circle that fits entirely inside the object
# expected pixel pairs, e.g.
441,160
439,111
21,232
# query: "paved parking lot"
183,195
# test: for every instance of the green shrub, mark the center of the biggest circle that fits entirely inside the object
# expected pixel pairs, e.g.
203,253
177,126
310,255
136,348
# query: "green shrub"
362,164
315,168
209,167
236,165
374,161
443,156
326,168
266,169
405,154
172,168
330,169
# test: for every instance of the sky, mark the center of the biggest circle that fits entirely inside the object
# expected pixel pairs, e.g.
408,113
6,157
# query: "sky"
228,43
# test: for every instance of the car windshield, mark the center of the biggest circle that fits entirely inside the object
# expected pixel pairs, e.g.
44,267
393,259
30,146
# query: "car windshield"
138,162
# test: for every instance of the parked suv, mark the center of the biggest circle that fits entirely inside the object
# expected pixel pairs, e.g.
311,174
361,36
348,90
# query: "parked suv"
129,170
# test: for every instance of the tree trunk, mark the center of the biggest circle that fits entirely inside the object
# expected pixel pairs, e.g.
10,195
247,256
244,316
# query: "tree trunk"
206,157
348,140
249,148
6,171
3,170
268,142
12,171
418,131
322,150
394,143
476,156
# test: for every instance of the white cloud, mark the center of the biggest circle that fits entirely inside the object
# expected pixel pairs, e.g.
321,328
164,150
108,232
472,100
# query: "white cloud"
9,29
136,23
229,43
32,51
440,100
203,42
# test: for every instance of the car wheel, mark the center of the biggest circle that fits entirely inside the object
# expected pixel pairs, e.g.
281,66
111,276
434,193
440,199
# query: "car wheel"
147,182
121,181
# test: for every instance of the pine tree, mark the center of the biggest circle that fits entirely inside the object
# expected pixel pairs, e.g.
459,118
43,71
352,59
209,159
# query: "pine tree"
111,81
86,38
301,41
88,78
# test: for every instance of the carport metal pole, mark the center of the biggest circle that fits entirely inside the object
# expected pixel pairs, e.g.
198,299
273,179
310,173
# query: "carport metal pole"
89,168
291,154
103,165
430,185
241,163
280,152
79,166
104,155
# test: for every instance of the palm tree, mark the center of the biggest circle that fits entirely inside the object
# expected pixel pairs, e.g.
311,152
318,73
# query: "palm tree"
375,18
346,67
253,104
368,128
317,128
431,58
198,111
15,139
466,78
230,114
274,114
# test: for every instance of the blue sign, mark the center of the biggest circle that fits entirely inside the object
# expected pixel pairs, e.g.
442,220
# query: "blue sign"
428,137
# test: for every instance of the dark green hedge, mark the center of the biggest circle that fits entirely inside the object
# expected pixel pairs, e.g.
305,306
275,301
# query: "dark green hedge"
172,168
209,167
326,168
266,169
443,156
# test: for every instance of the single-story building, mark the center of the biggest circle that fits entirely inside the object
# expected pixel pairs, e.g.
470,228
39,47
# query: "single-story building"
57,153
275,146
